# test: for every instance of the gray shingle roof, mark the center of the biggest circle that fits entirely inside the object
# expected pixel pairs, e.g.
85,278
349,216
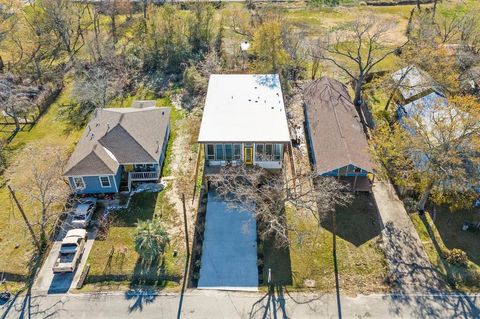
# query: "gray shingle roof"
336,133
119,136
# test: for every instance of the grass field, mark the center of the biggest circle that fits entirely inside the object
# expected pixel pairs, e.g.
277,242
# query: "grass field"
445,233
361,262
48,131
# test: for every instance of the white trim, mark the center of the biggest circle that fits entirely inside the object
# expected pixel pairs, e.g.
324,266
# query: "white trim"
115,183
75,187
109,182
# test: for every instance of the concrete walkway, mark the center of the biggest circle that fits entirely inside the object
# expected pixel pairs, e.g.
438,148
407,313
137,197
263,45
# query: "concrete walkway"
410,268
222,304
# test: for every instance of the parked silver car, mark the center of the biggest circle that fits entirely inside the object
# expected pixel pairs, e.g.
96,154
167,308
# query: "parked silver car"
83,212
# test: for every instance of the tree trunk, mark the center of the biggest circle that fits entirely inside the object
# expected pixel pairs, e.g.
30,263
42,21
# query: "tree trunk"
434,9
409,25
418,5
423,199
17,123
2,65
358,91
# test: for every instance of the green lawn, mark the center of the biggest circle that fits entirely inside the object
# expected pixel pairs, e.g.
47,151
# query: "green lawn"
361,262
445,233
48,131
122,269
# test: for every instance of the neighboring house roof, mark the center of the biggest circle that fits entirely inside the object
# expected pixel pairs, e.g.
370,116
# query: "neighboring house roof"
119,136
413,82
244,108
423,106
335,130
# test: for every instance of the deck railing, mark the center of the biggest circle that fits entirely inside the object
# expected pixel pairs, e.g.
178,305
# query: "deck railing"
144,176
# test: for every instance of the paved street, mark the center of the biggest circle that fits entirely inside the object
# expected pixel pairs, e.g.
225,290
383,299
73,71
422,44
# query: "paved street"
47,281
222,304
409,265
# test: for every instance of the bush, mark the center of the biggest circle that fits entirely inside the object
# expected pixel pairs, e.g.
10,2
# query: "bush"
456,257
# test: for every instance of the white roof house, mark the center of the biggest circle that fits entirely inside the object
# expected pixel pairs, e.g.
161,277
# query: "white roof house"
244,108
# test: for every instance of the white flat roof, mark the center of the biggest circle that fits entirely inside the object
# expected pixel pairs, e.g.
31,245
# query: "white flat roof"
244,108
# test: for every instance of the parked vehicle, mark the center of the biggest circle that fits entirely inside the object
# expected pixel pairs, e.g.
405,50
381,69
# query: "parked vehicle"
83,212
71,251
5,295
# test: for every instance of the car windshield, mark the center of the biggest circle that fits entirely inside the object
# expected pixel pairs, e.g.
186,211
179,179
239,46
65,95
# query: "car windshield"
69,246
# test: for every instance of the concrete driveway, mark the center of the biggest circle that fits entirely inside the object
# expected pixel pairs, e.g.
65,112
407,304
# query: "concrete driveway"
229,255
48,282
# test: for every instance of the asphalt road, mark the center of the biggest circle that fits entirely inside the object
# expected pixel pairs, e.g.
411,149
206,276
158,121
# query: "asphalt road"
222,304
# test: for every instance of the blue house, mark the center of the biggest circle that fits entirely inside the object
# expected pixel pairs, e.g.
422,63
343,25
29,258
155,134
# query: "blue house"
335,136
119,147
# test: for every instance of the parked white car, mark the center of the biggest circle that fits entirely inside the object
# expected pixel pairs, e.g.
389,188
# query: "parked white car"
71,251
83,212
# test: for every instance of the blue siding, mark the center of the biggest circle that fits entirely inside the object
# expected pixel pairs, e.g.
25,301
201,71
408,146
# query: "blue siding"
92,184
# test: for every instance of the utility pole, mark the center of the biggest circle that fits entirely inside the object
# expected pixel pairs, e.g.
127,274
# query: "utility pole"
22,212
185,225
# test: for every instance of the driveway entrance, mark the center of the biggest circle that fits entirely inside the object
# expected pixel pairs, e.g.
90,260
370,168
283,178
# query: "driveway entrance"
229,255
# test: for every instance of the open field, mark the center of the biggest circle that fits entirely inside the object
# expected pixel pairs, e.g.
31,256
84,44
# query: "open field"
48,131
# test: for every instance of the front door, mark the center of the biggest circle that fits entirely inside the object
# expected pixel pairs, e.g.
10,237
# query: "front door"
248,153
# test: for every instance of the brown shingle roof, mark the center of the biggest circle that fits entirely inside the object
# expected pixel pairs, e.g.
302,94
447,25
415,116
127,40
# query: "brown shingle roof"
119,136
335,129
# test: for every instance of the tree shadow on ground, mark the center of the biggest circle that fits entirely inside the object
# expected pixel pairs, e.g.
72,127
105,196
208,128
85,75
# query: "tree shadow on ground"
276,260
449,225
358,222
417,286
273,303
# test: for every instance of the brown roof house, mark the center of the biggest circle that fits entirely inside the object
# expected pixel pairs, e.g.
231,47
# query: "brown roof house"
336,139
118,147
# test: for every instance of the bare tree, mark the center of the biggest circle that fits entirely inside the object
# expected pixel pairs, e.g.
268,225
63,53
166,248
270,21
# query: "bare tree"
267,195
16,99
37,178
356,48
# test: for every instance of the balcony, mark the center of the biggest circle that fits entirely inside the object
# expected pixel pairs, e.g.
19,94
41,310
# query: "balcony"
143,176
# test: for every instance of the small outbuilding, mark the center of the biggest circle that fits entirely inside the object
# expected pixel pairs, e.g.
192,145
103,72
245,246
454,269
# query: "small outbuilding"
336,139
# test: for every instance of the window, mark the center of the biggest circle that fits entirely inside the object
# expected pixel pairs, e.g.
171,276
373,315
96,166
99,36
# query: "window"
210,152
277,152
259,152
228,152
105,181
219,156
237,152
268,152
357,170
78,182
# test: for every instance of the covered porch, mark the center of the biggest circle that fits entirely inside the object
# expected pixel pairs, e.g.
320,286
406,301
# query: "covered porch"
138,173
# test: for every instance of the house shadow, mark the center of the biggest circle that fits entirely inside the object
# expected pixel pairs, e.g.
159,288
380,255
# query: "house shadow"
358,222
